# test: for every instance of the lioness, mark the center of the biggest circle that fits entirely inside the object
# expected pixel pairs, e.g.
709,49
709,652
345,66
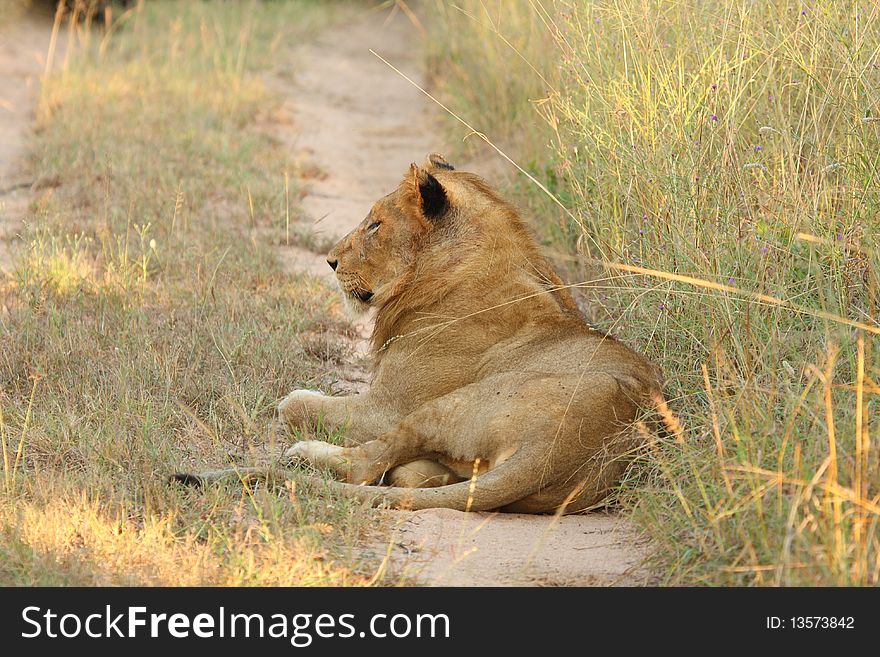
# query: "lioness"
489,388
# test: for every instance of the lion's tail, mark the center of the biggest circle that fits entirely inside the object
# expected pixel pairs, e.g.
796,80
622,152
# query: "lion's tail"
246,475
669,420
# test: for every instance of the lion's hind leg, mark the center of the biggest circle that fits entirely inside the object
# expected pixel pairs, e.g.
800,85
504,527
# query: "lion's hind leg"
421,473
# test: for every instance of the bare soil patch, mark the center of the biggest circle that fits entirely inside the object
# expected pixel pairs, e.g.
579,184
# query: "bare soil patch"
23,47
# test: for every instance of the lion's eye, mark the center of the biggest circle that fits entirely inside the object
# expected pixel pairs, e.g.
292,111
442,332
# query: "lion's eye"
373,227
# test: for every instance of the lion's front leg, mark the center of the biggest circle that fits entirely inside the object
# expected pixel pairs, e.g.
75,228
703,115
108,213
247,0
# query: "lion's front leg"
361,419
309,409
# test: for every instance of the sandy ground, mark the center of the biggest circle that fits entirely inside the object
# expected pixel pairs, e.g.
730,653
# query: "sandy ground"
355,127
23,47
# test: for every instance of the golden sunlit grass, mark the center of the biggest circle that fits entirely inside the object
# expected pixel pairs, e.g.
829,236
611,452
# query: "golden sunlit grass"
63,536
721,158
147,329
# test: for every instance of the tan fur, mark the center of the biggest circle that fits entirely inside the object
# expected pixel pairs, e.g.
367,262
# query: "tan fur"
480,356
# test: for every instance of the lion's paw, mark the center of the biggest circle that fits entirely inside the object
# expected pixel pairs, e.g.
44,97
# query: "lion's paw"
316,452
299,396
301,407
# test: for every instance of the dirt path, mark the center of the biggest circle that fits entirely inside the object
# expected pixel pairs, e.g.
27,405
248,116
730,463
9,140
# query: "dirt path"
23,46
356,126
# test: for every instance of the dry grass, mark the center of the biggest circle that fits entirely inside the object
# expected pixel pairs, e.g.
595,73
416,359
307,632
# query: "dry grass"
11,9
146,327
721,158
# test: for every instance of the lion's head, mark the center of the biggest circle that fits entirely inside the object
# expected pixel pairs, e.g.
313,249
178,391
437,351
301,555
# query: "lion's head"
376,259
443,232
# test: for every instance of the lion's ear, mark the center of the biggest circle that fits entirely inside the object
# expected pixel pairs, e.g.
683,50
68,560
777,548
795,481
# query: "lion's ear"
438,162
432,200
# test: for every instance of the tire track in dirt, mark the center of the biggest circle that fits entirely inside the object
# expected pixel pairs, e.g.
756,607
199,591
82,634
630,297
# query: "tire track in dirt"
24,42
355,129
356,126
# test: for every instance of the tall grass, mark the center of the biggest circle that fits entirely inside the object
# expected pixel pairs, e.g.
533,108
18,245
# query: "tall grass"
483,61
721,163
147,328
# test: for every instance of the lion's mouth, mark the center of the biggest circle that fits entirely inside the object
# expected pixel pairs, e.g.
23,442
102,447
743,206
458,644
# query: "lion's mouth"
363,296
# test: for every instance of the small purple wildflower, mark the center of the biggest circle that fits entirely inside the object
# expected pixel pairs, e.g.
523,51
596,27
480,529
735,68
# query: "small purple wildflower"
714,86
803,12
714,118
839,237
771,97
662,306
764,249
731,280
758,149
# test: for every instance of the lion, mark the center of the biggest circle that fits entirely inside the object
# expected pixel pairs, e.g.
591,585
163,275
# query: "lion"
490,390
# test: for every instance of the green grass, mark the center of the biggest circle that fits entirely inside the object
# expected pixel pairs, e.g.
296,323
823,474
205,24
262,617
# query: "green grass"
147,328
734,144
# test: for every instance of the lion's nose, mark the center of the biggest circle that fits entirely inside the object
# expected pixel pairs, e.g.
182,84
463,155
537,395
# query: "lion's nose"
333,263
